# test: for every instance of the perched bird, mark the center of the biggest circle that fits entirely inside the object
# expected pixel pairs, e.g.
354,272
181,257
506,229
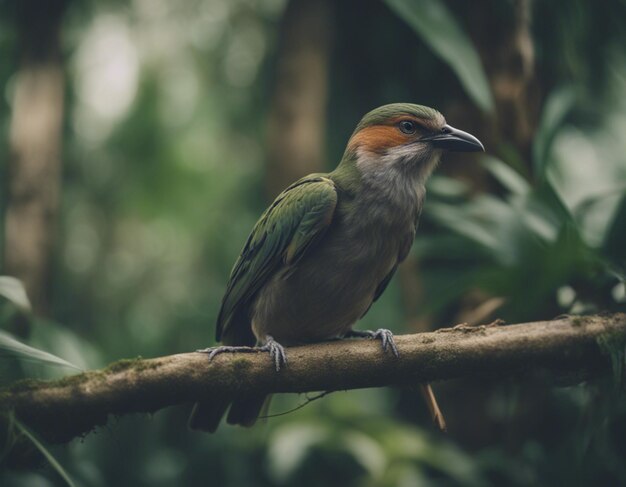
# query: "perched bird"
329,244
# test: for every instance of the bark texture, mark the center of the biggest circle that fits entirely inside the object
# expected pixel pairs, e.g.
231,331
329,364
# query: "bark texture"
565,351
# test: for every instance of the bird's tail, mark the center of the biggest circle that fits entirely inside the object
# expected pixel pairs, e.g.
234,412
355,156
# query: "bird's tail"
246,411
206,416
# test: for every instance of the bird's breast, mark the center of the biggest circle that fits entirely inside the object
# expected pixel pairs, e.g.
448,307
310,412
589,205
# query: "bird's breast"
334,284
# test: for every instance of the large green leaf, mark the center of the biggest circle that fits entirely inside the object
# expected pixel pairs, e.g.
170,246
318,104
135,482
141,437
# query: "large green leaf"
506,175
13,290
436,25
290,445
615,239
10,347
557,106
461,222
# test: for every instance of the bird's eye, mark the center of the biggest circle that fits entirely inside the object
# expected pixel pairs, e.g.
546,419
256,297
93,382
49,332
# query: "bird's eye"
407,127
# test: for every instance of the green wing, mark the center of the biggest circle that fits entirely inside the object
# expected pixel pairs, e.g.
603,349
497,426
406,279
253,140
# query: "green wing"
296,220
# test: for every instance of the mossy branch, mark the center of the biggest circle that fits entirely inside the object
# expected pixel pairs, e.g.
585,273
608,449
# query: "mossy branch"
566,350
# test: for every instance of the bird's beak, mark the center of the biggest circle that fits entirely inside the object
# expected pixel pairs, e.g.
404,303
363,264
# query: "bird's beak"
455,140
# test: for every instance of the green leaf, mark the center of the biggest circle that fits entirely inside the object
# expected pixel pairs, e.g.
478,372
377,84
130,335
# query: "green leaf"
558,105
44,451
547,198
461,223
13,289
447,187
290,445
63,342
436,25
506,175
10,347
615,239
614,345
366,451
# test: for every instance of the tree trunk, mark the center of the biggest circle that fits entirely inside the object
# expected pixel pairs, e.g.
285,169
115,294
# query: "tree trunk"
297,116
501,32
35,149
509,61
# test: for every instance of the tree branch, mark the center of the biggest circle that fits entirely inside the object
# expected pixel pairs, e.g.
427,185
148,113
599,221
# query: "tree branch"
567,350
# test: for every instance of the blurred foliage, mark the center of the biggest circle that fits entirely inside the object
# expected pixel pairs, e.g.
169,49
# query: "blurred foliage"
164,162
437,26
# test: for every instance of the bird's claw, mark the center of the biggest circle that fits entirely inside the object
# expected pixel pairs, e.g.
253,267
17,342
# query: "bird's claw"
387,340
213,351
385,336
223,349
275,349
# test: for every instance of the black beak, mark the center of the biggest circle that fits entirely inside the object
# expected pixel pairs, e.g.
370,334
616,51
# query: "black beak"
455,140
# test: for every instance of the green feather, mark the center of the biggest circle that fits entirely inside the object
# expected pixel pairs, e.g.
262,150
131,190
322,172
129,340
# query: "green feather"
295,222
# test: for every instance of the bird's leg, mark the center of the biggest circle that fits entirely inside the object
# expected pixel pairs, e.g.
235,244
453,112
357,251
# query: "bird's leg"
271,346
386,338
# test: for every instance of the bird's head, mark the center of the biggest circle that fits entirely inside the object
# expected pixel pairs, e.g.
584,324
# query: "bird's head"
405,137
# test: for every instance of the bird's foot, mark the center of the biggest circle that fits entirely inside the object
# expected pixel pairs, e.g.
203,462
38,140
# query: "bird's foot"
275,349
385,336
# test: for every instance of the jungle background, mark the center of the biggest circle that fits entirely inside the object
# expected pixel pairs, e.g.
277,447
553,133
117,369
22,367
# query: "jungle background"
141,140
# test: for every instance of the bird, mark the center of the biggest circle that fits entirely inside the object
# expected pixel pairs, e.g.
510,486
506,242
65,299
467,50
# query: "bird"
328,245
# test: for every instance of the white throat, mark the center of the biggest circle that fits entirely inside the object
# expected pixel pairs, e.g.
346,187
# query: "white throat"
401,170
393,183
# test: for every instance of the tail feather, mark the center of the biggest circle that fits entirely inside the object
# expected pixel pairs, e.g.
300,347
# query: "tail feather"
245,411
206,416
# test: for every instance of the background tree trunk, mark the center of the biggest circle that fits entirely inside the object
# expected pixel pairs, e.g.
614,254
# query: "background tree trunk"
297,116
35,149
501,32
